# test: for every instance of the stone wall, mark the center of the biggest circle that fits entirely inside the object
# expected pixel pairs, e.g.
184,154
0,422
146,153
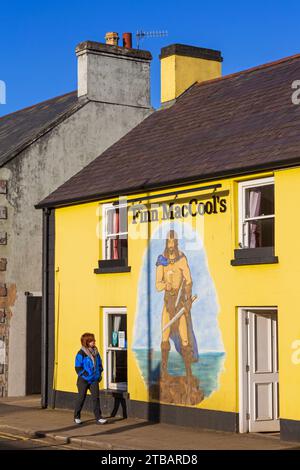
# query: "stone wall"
7,291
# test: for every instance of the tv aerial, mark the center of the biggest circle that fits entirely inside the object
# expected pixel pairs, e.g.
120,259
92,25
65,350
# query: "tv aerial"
141,35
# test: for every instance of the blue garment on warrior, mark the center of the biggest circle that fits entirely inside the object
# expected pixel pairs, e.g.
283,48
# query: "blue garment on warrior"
86,369
162,261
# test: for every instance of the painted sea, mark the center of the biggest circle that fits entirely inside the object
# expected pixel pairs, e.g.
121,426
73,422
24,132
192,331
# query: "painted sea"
207,369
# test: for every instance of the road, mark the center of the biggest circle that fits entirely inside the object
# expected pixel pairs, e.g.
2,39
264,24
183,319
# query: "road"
13,441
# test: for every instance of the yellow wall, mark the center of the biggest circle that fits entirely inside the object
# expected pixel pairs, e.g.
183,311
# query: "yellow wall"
80,295
178,73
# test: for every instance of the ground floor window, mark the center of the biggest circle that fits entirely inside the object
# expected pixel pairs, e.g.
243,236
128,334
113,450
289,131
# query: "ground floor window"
115,348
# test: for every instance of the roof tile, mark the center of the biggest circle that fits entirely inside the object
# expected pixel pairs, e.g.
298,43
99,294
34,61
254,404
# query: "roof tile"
227,125
19,129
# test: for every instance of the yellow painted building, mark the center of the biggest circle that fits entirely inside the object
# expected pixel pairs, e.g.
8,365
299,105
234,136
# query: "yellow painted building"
177,247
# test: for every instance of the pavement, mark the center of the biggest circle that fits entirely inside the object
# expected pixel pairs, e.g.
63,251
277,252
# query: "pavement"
23,416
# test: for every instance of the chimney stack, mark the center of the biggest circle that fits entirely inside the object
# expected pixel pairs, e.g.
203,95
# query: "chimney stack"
112,39
111,74
127,40
182,66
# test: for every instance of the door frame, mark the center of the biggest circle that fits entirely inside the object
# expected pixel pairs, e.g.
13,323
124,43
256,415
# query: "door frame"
242,362
106,312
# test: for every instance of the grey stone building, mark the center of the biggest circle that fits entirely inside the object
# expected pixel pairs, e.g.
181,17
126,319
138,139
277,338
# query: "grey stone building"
40,148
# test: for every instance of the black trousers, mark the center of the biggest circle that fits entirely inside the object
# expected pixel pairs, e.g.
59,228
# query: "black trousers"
83,387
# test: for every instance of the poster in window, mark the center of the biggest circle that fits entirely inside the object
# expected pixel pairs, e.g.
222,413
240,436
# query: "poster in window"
114,339
121,339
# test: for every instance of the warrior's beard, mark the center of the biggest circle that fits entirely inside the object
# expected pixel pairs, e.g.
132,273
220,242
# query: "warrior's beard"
171,252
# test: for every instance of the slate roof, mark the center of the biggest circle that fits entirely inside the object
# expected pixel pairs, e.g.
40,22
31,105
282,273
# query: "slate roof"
21,128
240,123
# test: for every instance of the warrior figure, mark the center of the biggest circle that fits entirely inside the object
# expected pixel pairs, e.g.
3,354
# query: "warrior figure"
173,276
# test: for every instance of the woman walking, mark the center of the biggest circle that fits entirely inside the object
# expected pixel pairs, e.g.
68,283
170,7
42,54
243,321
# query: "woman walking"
88,365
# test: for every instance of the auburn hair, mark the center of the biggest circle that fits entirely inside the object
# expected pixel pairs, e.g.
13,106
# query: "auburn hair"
86,339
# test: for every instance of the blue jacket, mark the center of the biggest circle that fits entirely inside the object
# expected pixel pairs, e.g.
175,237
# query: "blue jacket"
85,368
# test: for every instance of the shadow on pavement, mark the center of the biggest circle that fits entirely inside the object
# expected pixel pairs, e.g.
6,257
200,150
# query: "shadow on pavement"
6,409
103,432
121,429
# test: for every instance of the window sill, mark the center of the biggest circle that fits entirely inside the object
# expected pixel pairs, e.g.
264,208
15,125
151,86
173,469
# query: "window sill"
112,266
121,269
252,256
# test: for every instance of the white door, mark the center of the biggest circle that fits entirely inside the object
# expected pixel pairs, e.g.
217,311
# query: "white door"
262,371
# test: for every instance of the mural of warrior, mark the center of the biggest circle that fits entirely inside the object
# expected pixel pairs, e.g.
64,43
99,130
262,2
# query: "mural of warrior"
173,276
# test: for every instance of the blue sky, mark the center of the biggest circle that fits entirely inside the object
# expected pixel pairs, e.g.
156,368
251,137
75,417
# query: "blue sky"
38,38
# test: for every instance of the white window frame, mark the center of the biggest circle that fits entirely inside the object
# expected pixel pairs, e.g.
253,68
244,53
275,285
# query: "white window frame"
106,347
243,185
105,208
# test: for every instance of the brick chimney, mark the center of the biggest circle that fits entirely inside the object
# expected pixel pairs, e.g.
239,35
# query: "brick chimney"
182,66
127,40
112,74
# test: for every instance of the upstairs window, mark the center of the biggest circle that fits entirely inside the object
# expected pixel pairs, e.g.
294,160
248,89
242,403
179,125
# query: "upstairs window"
257,215
115,233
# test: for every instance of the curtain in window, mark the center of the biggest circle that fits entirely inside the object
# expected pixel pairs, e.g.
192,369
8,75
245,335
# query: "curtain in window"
117,322
254,209
116,229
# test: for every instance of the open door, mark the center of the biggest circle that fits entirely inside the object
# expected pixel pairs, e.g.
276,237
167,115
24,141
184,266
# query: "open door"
260,407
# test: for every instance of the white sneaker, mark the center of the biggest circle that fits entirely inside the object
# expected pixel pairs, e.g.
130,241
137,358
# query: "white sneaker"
102,421
77,421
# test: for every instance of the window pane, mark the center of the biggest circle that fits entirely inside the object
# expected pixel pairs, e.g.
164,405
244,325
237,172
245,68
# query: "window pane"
119,366
115,254
261,233
116,220
259,201
116,248
116,323
110,220
109,248
123,219
123,248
